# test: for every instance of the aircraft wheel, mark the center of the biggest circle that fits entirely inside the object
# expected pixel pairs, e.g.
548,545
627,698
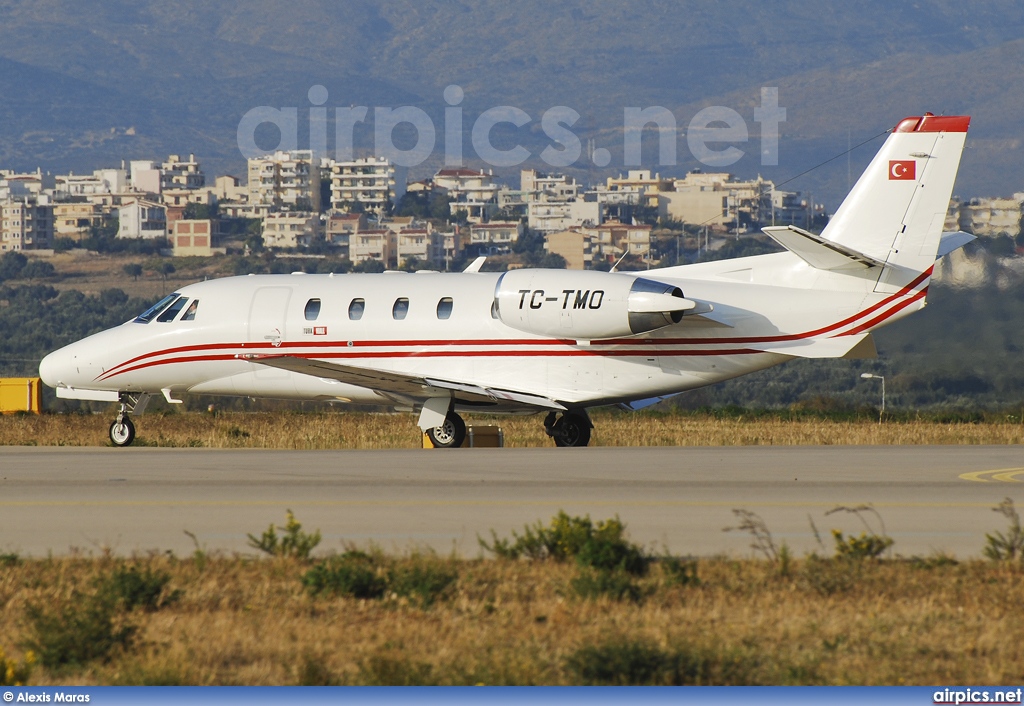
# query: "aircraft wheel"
572,430
450,434
122,432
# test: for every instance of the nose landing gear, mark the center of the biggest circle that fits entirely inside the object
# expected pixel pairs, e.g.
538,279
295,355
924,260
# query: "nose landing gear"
572,428
122,430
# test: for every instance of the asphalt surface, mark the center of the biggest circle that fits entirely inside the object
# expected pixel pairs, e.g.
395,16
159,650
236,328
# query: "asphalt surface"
930,498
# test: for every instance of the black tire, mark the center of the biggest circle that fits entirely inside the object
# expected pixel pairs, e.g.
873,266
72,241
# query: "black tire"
449,435
122,433
572,430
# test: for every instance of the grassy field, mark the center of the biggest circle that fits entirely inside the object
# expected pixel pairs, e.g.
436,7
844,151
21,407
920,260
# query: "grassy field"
235,620
329,430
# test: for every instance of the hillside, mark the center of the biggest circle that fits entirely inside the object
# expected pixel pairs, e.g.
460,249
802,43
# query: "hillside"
91,82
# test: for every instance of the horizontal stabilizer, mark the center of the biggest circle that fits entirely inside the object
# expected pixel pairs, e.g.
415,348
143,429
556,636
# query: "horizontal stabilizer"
817,251
401,384
953,241
860,346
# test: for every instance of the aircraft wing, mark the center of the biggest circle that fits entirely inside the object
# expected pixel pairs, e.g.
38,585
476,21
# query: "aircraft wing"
401,384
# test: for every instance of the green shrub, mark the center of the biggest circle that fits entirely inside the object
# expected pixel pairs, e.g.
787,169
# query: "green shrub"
9,559
638,662
351,574
601,546
679,572
1009,546
424,577
132,588
616,585
866,546
83,629
294,544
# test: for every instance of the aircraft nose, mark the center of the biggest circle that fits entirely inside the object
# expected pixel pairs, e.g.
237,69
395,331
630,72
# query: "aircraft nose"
56,367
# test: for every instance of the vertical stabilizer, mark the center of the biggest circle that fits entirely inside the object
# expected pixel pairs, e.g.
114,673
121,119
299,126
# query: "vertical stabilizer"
897,208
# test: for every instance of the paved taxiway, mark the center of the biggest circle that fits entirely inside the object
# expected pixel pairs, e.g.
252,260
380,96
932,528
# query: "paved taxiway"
136,500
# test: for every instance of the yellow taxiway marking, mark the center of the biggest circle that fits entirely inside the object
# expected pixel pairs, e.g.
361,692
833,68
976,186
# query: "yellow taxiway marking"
1004,475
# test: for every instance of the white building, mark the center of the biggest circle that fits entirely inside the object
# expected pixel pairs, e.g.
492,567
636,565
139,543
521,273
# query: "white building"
142,219
101,181
368,182
13,184
471,191
551,216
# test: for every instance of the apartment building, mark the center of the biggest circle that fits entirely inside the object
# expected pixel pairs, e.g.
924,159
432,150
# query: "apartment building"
178,173
991,216
376,244
290,229
101,181
609,241
285,179
493,238
574,246
142,218
366,184
26,224
551,216
471,191
718,200
341,226
75,219
14,185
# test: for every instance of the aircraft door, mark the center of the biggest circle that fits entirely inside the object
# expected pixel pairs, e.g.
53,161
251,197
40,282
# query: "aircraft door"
268,316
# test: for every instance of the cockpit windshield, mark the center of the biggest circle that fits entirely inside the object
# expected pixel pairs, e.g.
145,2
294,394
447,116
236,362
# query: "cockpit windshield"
152,312
170,312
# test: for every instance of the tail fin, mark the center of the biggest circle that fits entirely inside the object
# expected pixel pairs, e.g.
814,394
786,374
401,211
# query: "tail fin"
896,210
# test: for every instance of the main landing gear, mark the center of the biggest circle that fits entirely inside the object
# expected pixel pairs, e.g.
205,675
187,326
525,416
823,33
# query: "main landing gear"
450,434
122,430
571,428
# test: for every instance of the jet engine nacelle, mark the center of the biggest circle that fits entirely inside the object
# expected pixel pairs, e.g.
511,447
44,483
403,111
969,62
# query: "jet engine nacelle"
586,305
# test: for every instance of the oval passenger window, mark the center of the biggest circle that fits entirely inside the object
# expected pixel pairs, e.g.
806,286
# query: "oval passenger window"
401,308
312,309
444,308
355,309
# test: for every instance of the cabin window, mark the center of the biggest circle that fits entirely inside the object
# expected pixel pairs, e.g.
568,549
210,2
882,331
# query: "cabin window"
355,309
150,313
444,308
401,308
312,309
190,313
173,310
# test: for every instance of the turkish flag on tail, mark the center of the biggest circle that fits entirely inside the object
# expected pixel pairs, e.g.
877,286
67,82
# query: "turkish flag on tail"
902,170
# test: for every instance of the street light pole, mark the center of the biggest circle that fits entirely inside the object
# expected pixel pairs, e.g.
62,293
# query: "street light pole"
869,376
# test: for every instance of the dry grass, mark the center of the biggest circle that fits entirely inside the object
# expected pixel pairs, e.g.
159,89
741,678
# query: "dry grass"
244,621
327,430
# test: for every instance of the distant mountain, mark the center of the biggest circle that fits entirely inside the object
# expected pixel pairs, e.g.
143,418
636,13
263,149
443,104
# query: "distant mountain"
90,82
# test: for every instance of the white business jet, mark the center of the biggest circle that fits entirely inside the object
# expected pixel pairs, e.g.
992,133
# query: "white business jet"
549,341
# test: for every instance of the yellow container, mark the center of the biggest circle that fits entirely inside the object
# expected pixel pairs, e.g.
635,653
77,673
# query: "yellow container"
480,436
21,395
